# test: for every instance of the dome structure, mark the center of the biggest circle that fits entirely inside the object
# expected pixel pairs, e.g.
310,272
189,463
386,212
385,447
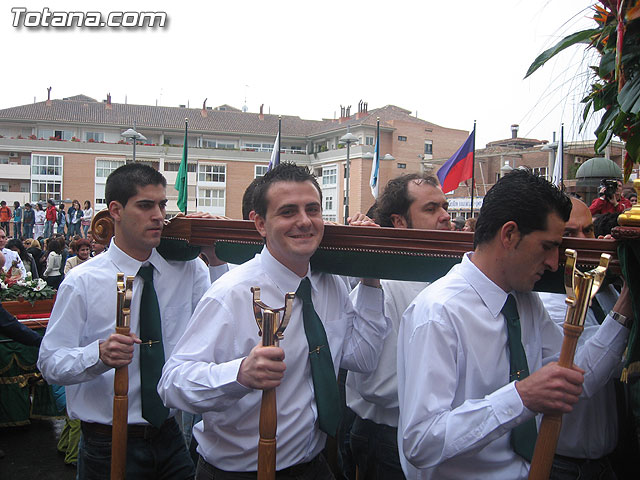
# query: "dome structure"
598,167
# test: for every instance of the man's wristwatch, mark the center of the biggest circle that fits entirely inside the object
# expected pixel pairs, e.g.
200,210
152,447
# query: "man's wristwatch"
621,319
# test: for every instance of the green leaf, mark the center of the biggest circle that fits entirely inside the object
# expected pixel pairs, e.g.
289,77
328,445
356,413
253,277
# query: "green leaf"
629,96
607,63
578,37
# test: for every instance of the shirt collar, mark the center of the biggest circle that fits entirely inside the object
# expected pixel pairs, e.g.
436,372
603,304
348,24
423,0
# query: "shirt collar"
285,279
491,294
130,266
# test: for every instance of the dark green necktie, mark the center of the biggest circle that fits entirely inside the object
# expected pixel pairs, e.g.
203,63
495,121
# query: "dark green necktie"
523,437
323,374
151,351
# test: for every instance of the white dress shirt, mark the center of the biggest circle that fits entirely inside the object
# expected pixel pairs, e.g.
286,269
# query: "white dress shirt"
457,406
591,429
11,256
84,315
374,396
201,375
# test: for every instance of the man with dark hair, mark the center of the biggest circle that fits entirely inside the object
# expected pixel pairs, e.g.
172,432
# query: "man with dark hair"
81,350
219,367
393,209
610,199
472,345
247,200
409,201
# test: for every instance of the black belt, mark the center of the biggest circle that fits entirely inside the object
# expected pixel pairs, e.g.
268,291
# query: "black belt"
581,461
133,431
293,470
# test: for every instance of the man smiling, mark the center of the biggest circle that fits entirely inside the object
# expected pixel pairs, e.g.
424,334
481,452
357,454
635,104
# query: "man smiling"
472,345
219,366
81,351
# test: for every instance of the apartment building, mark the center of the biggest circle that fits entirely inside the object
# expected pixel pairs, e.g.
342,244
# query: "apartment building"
66,148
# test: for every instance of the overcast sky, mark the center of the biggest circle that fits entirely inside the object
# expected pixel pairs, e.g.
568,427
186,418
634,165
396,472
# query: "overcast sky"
451,62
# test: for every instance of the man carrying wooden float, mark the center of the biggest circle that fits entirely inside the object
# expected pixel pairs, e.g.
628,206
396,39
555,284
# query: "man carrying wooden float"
220,368
408,201
462,413
81,351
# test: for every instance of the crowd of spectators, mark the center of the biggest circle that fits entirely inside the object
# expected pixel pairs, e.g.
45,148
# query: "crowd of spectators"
46,219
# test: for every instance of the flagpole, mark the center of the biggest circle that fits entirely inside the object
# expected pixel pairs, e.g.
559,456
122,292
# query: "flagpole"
473,168
186,166
561,147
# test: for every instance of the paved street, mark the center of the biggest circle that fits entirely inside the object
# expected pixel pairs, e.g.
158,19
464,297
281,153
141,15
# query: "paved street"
30,452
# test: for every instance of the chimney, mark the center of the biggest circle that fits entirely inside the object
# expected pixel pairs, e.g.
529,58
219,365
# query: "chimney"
362,110
48,103
108,106
514,130
261,116
203,112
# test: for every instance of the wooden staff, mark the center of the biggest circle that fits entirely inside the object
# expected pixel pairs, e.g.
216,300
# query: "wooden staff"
121,385
271,329
581,288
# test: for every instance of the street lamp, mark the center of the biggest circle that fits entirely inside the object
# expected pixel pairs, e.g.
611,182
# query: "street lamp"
506,168
348,138
131,134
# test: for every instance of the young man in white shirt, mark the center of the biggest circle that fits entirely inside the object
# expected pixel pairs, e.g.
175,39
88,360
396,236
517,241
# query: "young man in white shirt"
219,368
81,350
408,201
463,414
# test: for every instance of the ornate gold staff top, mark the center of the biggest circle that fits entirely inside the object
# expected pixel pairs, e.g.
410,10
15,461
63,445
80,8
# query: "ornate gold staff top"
581,288
271,329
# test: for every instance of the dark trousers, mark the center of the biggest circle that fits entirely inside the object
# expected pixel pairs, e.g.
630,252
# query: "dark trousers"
158,454
316,469
567,468
375,450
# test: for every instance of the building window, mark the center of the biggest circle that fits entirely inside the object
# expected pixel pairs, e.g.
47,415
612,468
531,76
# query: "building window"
175,167
212,173
330,218
24,187
211,197
402,165
25,160
105,167
49,133
46,165
258,147
428,147
329,176
41,191
369,140
402,138
207,143
260,170
328,203
4,160
541,171
94,137
4,187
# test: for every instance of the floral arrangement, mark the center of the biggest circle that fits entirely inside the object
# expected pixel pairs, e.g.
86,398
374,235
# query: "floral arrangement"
615,88
16,288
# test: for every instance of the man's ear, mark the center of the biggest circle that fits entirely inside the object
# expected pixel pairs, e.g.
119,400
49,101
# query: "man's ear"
259,222
399,221
115,210
510,235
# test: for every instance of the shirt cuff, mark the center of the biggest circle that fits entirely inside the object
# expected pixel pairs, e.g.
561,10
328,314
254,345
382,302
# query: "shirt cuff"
508,406
227,377
91,359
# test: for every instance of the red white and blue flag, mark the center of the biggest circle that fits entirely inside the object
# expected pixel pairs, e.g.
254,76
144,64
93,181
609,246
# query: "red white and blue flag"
459,167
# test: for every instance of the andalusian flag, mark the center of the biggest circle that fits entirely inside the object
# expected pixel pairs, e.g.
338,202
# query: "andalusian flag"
181,180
